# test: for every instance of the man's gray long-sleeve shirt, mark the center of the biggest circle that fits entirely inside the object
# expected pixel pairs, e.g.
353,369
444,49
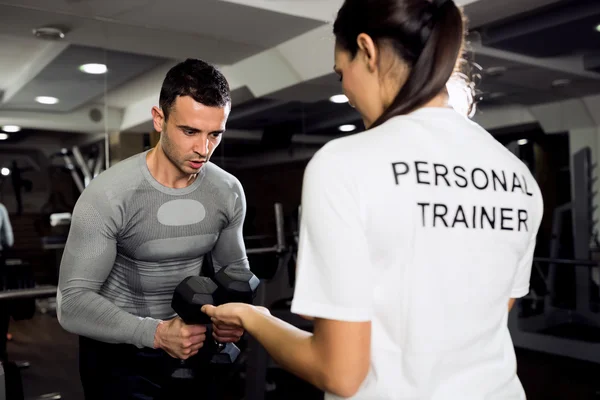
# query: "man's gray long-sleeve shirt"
132,240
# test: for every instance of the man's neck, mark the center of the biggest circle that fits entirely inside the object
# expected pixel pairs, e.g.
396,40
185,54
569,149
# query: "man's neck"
165,172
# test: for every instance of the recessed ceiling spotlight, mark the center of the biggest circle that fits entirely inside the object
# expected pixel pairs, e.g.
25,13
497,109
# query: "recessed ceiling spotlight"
94,69
3,136
5,172
523,142
598,28
11,128
46,100
561,83
50,32
338,98
347,128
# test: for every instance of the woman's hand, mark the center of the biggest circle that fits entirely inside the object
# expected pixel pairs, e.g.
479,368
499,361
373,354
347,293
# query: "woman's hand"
231,315
226,333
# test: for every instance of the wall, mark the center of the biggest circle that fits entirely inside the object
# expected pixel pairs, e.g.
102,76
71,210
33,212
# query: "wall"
267,185
124,145
32,201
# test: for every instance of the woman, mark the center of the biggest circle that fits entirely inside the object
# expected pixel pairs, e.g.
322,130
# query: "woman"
416,235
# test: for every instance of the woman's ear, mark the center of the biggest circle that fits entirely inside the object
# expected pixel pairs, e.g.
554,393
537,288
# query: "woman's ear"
369,51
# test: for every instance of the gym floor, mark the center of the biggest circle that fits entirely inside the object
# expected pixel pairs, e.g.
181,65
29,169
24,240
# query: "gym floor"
52,353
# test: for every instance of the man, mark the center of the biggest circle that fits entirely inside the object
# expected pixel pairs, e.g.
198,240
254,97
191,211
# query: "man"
138,230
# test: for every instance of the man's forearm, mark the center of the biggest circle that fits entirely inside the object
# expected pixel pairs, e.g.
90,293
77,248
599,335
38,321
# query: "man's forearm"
290,347
87,313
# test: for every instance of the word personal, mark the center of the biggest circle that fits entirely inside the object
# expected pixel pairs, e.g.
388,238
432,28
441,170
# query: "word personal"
427,173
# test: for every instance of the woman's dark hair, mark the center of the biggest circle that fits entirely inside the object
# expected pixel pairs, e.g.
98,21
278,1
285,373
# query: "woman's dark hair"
197,79
427,35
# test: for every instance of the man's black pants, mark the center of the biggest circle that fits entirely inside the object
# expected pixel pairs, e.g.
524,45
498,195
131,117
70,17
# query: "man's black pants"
125,372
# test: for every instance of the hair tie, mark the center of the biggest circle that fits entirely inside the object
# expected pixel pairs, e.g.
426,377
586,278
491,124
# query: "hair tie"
436,6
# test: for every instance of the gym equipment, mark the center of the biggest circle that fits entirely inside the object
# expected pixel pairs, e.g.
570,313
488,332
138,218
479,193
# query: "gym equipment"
37,292
231,284
279,246
20,184
11,386
2,384
274,293
543,320
18,275
84,170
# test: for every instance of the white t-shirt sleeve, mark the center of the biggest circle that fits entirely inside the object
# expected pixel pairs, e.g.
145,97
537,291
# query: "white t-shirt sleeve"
334,274
523,276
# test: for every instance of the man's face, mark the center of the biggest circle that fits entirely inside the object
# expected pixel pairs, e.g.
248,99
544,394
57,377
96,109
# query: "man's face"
192,132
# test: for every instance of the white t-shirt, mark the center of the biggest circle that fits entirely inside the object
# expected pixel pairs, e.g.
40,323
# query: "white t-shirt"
425,226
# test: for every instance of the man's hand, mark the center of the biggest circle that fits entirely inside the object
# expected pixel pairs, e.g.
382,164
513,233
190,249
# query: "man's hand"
224,333
178,339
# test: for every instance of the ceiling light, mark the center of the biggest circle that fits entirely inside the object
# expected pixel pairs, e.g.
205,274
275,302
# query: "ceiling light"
3,136
561,83
347,128
523,142
11,128
95,69
46,100
598,27
5,171
338,98
50,32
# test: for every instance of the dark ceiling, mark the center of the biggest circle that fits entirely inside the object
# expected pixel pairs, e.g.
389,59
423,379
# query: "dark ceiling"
564,28
295,117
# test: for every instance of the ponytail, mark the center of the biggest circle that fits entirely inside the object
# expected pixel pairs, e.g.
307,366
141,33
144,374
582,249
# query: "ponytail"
427,35
434,66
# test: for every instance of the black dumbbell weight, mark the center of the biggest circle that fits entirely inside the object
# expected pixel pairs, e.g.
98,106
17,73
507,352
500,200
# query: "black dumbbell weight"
232,284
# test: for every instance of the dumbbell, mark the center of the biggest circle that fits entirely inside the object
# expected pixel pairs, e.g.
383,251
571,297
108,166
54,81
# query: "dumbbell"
233,284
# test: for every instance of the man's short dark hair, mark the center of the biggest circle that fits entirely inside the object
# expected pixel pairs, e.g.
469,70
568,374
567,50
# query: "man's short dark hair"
197,79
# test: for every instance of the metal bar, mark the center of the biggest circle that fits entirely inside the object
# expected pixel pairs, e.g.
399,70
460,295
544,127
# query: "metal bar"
585,263
279,226
555,247
56,246
71,167
97,166
581,225
99,160
258,358
263,250
90,163
258,237
106,150
82,164
42,291
2,383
